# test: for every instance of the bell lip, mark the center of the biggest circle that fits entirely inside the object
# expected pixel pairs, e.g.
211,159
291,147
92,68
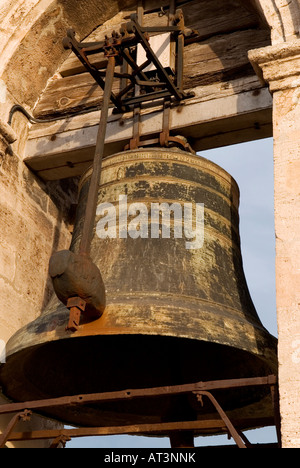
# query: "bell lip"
269,359
197,160
257,341
29,353
34,392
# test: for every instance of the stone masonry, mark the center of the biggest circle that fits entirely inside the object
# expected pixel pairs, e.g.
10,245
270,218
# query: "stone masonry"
35,215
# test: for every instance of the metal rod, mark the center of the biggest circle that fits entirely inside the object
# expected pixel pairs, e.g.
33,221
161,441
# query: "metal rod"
138,70
97,165
25,416
172,10
71,43
244,438
60,440
148,97
137,393
31,119
238,440
180,52
275,401
233,427
160,69
163,428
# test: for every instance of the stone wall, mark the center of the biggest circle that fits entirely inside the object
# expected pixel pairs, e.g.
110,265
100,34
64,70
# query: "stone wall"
279,65
34,223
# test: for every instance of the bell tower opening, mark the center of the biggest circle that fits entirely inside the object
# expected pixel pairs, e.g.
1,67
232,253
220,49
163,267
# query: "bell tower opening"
166,314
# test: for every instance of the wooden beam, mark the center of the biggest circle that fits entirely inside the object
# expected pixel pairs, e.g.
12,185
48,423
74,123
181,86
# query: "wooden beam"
66,148
211,18
219,60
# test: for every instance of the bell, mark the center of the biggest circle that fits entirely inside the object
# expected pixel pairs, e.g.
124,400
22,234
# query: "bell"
178,310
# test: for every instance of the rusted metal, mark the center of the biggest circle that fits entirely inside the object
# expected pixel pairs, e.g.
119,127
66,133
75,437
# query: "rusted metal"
163,429
180,62
71,274
75,275
244,438
120,45
76,305
60,441
22,416
70,42
162,74
129,394
231,429
97,164
135,140
83,278
165,139
275,400
181,432
165,134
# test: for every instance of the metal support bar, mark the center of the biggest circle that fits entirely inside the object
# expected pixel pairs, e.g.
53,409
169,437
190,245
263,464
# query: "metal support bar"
200,389
244,438
120,45
97,165
165,134
137,393
151,55
275,399
135,140
70,43
137,70
60,440
76,305
165,429
24,416
148,97
180,48
231,429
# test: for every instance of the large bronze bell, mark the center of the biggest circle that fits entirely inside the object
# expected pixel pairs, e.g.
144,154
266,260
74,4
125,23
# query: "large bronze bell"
178,309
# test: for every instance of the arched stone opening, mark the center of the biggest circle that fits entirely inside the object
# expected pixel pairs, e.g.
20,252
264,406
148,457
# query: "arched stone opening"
32,33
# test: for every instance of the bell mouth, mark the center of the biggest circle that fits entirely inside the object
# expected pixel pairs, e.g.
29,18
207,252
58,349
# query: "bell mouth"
100,364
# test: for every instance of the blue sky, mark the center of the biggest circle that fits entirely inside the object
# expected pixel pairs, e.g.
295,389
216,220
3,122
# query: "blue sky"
251,164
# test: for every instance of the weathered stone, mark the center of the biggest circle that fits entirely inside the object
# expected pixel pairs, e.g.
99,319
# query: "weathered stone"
28,235
31,52
280,67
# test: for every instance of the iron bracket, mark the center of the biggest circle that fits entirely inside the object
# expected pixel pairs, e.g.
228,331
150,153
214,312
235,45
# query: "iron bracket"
76,306
200,389
231,429
21,416
122,45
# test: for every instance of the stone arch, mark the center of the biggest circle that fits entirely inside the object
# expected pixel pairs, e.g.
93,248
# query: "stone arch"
34,30
282,16
32,43
31,52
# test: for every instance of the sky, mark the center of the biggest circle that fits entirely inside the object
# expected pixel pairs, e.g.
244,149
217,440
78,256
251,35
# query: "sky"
251,165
